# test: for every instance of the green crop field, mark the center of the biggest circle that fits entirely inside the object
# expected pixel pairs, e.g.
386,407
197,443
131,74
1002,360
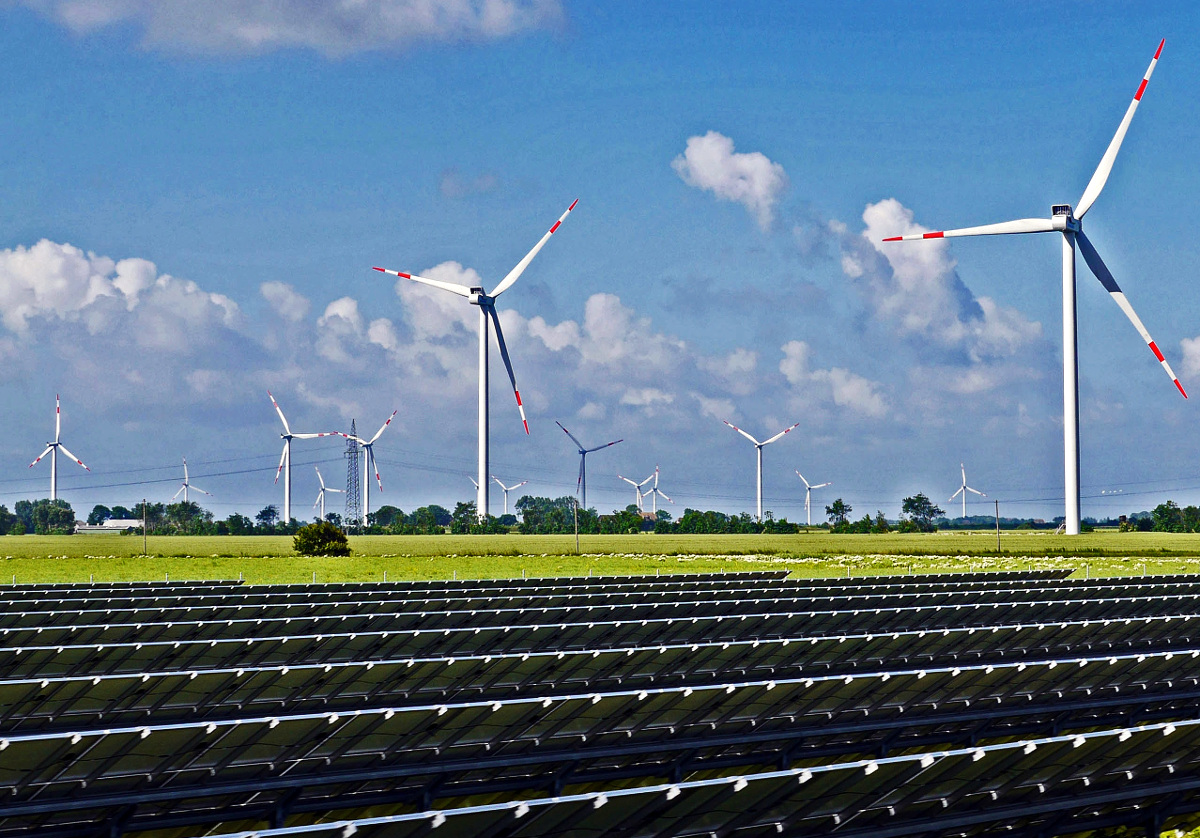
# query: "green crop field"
79,558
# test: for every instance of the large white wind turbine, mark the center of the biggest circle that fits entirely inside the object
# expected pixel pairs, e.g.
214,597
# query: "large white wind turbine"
371,466
808,496
188,485
1069,223
321,494
487,311
758,446
637,489
964,488
581,483
285,459
508,489
656,493
52,450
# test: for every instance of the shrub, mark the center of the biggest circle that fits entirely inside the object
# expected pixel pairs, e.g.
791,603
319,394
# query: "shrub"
321,539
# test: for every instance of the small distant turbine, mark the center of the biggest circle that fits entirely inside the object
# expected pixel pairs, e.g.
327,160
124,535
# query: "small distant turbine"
285,459
52,450
655,493
581,483
808,497
508,489
759,447
963,489
368,448
637,489
321,494
187,485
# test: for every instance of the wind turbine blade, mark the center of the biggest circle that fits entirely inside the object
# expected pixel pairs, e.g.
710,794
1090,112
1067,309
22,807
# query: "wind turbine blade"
956,494
976,491
63,448
282,457
1100,177
384,427
821,485
317,502
57,417
474,482
320,479
573,439
647,480
339,491
49,448
781,433
518,486
606,445
963,469
497,479
491,310
801,476
319,435
579,480
180,492
374,466
1021,225
664,495
452,287
1110,284
516,272
627,480
201,491
740,431
282,418
185,471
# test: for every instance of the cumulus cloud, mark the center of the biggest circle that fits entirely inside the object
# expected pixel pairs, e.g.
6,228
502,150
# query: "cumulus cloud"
454,185
1191,355
750,179
286,301
846,389
915,289
332,28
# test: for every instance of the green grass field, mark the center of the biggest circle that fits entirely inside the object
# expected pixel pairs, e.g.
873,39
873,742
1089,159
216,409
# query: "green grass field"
79,558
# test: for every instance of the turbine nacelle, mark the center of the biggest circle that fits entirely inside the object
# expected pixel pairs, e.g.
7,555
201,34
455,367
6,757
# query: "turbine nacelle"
1063,219
477,297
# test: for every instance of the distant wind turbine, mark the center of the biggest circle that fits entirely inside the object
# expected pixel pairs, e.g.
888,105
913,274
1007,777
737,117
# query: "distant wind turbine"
368,447
508,489
52,450
321,494
285,459
637,489
964,488
808,497
187,485
487,313
1069,223
655,493
759,447
581,483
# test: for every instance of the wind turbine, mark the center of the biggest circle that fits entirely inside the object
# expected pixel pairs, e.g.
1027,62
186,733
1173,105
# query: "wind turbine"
808,497
963,489
581,483
285,459
321,494
656,492
759,447
508,489
487,311
187,485
372,466
52,450
637,488
1069,223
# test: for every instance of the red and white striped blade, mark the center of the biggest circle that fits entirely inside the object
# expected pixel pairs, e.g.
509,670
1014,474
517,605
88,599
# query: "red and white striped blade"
320,479
1100,176
384,426
282,457
491,310
516,272
72,456
452,287
375,466
318,435
740,431
49,448
1020,225
605,445
178,493
282,418
57,417
1110,284
820,486
198,489
781,433
568,433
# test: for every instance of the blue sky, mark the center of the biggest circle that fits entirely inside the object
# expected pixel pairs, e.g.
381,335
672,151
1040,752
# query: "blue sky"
210,184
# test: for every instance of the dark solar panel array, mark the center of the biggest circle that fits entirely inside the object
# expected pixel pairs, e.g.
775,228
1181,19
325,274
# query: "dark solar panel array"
651,706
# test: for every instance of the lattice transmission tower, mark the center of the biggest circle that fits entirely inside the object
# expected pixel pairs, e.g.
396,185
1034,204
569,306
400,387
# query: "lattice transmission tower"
353,518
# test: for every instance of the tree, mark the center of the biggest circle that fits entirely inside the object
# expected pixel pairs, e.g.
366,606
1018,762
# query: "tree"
24,512
53,517
239,524
1167,517
121,513
463,517
921,512
881,525
334,518
7,520
98,515
268,517
321,539
838,512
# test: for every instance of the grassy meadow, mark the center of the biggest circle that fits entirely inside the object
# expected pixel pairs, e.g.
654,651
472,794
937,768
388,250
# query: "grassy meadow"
260,559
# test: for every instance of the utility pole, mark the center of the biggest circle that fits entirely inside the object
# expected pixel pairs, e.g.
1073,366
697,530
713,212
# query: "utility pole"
997,526
144,553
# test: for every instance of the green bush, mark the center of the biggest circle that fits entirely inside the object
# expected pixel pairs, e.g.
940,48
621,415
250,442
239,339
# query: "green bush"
321,539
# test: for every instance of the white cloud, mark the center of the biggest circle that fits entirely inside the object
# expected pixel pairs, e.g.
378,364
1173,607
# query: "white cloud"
750,179
1191,355
287,302
842,387
332,28
454,185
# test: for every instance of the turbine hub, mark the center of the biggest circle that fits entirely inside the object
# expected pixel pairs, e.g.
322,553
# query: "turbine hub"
478,298
1062,218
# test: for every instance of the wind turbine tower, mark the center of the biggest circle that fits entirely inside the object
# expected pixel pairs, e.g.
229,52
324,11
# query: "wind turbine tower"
52,450
508,489
1068,222
487,314
581,483
321,494
759,447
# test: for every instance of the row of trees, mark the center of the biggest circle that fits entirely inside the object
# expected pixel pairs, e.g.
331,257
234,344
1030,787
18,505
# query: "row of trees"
44,517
